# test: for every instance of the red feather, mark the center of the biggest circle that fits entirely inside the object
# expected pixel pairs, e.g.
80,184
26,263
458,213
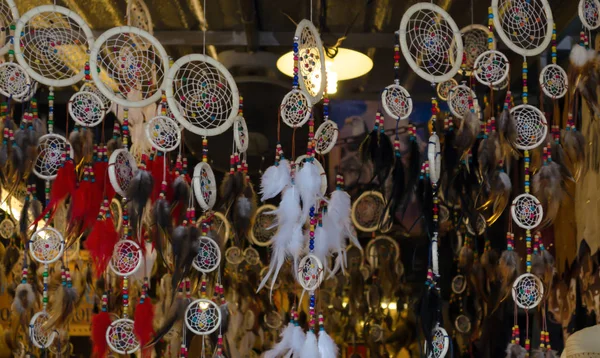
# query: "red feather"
80,202
100,323
101,243
64,185
143,322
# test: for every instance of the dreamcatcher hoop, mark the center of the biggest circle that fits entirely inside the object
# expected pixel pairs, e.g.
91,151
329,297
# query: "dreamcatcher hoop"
234,255
14,80
440,344
260,234
163,133
240,134
30,93
531,126
202,317
251,256
396,102
50,149
524,26
425,33
443,88
46,245
326,137
475,42
39,335
91,87
315,161
434,155
458,100
491,68
7,228
589,13
311,61
127,258
295,108
462,324
205,186
368,207
554,81
121,169
273,320
310,272
527,211
187,99
372,253
128,67
527,291
41,51
9,14
121,338
86,109
218,223
208,257
138,15
459,284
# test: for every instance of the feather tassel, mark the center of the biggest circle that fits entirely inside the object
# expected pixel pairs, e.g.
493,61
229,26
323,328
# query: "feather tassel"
100,323
63,306
275,179
308,183
467,133
175,314
298,339
547,187
515,351
138,193
143,318
63,186
507,131
101,243
509,270
574,145
245,206
327,347
310,349
24,303
284,344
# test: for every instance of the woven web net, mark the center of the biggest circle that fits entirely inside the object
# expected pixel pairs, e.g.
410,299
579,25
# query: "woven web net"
202,317
241,134
523,22
381,249
234,255
531,126
209,255
204,97
14,80
262,228
7,228
251,256
40,336
273,320
121,337
397,102
51,148
138,15
554,81
527,211
123,168
491,68
443,88
440,340
478,228
46,245
29,93
133,65
126,257
475,42
590,11
429,38
207,184
54,46
326,137
458,100
458,284
86,109
463,323
295,108
527,291
368,211
375,332
90,87
310,273
163,133
309,62
6,18
218,224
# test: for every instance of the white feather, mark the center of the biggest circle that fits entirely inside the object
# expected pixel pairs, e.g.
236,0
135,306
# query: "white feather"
279,249
296,244
274,180
284,345
310,349
298,338
321,248
289,208
327,347
308,181
338,210
579,55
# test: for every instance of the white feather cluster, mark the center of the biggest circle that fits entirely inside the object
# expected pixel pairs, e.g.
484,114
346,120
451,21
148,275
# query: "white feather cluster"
274,180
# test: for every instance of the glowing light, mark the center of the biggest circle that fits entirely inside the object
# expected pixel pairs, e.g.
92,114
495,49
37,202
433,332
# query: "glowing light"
384,305
203,305
393,306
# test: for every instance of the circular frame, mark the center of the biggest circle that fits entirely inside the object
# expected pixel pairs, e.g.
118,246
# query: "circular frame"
145,11
35,328
473,51
443,88
326,137
458,325
134,246
189,316
43,234
14,12
154,134
295,108
206,202
129,334
207,267
358,225
93,97
312,281
43,139
24,83
7,226
554,81
439,350
233,255
240,134
453,103
459,284
527,277
263,210
112,172
521,201
524,122
489,62
582,10
308,25
396,102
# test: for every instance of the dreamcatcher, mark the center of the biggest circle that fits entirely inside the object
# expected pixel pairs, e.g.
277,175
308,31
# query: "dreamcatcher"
218,223
395,99
440,343
477,39
367,209
51,155
121,169
295,108
263,230
553,79
138,15
86,109
310,68
52,44
7,228
209,255
462,100
9,14
443,88
14,80
204,183
240,134
327,134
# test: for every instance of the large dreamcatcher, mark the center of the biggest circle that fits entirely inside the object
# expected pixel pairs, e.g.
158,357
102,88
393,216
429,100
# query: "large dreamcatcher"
263,225
121,169
9,14
431,42
133,66
51,155
476,40
51,43
311,61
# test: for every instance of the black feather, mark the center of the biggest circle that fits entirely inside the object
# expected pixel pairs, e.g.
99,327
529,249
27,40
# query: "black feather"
17,161
181,195
10,259
398,191
185,246
175,314
24,219
161,213
450,155
429,315
384,159
414,170
138,193
368,146
245,206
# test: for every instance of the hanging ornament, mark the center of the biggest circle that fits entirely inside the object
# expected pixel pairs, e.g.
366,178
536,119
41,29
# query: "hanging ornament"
209,255
40,336
477,39
138,15
51,155
589,13
310,272
46,245
443,88
296,106
311,61
121,170
462,100
121,338
14,80
9,14
327,134
240,134
367,210
531,124
86,109
91,87
204,183
163,133
263,225
553,79
7,228
127,258
395,99
491,68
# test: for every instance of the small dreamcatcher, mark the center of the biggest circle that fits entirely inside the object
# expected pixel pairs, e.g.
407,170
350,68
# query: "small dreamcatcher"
121,169
527,211
14,80
121,338
51,43
202,95
51,155
9,14
208,257
127,258
138,15
367,210
273,320
163,133
431,42
203,317
240,134
311,61
382,245
295,108
46,245
459,284
251,256
217,222
461,100
133,64
553,79
531,126
491,68
91,87
7,228
310,272
234,255
589,13
527,291
395,99
462,323
86,109
476,41
263,225
327,134
204,185
40,336
443,88
440,343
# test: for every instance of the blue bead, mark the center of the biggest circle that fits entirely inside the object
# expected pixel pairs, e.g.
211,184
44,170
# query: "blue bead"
312,247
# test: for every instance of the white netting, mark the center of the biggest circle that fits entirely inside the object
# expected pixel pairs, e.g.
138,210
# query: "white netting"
311,61
589,13
46,245
91,87
528,291
121,338
460,100
300,162
86,109
525,26
138,15
51,43
208,257
7,228
14,80
491,68
262,230
202,317
295,108
205,185
475,42
443,88
462,324
554,81
240,134
163,133
251,256
9,14
202,95
440,343
431,42
459,284
51,155
434,155
234,255
40,336
121,168
367,210
310,272
29,94
133,66
531,126
527,212
326,137
396,102
126,258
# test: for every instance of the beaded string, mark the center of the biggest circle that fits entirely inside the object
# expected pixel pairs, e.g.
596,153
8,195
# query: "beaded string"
525,88
397,58
125,128
490,38
296,67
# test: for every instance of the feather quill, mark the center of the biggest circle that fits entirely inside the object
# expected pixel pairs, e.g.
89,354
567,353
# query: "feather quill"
501,187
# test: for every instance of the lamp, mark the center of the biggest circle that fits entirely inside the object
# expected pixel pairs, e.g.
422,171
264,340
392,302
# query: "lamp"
346,65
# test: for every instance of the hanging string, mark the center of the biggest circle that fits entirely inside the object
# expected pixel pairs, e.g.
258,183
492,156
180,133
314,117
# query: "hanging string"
203,29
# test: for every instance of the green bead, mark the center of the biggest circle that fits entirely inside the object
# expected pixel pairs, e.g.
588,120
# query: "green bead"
45,274
45,299
50,98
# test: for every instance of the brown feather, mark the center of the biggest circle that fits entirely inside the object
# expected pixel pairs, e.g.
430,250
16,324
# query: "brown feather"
507,131
515,351
465,258
467,133
509,270
548,189
574,145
